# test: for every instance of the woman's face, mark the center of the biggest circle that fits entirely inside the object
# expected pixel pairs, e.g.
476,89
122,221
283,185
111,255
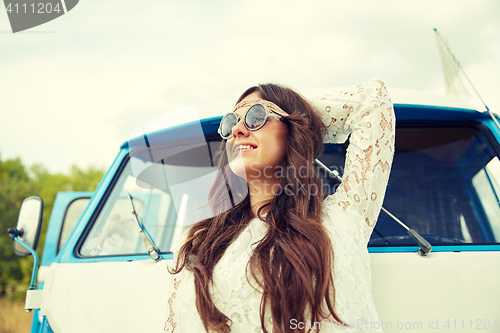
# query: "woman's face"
255,155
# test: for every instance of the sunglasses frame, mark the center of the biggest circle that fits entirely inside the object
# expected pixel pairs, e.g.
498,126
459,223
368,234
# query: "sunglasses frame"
238,118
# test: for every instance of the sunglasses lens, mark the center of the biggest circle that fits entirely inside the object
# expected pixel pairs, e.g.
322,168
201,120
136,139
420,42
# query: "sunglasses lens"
227,125
256,117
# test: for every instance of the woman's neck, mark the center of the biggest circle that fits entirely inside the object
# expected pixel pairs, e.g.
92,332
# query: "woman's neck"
261,191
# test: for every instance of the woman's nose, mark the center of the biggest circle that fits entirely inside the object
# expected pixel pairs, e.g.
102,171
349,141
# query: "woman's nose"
239,129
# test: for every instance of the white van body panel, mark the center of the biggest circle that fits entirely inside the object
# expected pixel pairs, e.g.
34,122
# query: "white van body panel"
107,296
458,287
136,293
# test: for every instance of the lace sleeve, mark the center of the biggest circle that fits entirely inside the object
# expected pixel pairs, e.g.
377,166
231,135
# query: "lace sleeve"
365,112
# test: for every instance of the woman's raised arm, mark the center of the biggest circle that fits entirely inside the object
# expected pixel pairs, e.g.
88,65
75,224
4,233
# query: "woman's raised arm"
365,112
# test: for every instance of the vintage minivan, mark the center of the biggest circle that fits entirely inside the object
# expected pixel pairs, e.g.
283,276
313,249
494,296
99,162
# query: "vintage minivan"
101,272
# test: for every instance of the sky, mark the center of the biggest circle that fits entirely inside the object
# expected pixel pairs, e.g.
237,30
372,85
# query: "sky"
73,89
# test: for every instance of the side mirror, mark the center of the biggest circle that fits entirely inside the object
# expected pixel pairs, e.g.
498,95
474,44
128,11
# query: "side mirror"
28,225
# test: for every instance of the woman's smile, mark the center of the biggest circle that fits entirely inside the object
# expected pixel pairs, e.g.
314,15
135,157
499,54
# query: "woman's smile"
243,148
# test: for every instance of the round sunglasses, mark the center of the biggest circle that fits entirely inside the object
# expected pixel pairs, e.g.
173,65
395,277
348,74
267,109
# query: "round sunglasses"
255,118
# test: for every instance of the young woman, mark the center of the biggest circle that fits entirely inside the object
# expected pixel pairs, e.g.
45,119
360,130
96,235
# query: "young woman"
284,259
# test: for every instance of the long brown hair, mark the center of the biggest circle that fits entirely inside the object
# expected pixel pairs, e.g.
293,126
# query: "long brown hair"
293,263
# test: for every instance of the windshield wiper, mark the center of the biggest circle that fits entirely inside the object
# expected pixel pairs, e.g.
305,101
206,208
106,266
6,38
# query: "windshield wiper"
425,246
153,250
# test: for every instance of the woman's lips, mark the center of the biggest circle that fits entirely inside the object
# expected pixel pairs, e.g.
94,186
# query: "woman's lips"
243,148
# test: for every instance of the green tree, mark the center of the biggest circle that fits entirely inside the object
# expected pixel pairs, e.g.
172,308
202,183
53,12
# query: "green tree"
15,186
18,182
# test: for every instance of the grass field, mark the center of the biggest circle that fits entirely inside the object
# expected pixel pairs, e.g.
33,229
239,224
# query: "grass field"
13,317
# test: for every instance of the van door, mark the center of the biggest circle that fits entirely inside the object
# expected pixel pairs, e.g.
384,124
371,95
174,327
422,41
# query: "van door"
66,211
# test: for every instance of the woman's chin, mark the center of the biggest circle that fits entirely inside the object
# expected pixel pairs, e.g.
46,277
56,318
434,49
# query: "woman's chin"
237,166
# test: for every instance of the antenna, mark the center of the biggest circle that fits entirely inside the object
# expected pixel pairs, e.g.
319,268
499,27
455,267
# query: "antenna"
446,54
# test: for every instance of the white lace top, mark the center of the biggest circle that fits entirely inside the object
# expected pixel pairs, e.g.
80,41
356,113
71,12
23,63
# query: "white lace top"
364,111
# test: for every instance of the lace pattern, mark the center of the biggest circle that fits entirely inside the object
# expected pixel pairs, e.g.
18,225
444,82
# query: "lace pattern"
170,323
365,112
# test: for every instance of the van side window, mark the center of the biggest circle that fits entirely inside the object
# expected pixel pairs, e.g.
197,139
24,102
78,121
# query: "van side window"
444,184
71,217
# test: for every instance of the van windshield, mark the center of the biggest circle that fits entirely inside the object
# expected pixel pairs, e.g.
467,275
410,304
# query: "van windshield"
444,184
168,196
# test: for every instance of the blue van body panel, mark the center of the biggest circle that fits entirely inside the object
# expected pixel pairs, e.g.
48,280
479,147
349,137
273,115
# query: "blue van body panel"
493,128
45,327
431,112
208,125
35,324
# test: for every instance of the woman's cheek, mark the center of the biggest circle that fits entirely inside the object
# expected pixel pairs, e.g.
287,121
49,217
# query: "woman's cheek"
237,166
